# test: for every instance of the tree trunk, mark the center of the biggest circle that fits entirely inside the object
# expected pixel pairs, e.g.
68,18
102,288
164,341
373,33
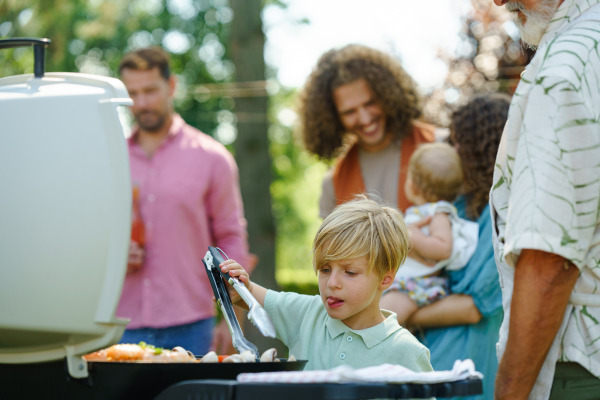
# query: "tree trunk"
252,148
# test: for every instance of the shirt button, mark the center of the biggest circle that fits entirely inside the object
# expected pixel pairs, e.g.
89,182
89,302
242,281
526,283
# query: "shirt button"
147,282
151,198
342,356
349,338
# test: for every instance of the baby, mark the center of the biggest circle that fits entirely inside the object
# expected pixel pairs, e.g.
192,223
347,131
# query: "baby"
356,253
434,180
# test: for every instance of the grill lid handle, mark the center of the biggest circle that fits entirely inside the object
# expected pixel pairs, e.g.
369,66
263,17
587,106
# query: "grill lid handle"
39,50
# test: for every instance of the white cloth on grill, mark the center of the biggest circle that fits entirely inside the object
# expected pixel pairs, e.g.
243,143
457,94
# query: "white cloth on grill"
385,373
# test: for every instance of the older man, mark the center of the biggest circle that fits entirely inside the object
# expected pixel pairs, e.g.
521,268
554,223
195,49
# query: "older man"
546,204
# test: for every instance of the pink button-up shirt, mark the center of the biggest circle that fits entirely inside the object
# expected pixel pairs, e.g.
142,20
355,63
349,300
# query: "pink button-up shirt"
189,200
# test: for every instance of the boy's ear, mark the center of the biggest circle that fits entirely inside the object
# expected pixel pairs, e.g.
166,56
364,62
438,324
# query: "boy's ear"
387,280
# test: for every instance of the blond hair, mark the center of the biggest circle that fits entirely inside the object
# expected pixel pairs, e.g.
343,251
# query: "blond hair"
436,171
362,227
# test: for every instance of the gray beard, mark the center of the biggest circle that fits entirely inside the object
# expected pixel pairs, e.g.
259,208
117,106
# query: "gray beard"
537,21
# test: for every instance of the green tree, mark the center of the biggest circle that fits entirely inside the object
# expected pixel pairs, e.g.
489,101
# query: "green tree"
252,145
296,189
91,36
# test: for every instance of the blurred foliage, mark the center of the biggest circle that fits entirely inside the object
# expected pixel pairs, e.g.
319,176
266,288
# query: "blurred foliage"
490,59
278,3
296,190
91,36
310,288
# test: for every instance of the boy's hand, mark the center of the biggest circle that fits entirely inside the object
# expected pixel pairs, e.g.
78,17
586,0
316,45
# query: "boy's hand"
237,271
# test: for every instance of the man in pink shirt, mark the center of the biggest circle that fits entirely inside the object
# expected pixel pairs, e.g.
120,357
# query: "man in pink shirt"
189,199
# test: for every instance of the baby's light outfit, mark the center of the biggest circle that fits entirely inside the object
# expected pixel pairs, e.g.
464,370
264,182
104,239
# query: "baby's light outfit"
413,277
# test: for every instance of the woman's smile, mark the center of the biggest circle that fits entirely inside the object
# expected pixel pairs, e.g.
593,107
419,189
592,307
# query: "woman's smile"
371,129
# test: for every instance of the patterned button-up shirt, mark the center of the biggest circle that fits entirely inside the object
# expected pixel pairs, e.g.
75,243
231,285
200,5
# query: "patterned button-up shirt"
546,190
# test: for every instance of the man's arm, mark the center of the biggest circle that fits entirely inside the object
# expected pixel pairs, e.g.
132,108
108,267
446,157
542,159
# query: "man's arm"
542,286
456,309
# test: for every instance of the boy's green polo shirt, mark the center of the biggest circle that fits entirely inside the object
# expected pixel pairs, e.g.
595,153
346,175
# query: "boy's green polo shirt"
304,326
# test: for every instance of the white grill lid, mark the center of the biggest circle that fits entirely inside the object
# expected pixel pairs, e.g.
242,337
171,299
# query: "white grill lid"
65,213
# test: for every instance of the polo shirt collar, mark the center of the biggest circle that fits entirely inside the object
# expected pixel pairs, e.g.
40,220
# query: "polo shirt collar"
371,336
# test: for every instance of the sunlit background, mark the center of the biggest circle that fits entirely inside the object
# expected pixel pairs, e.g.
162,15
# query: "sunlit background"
452,48
413,31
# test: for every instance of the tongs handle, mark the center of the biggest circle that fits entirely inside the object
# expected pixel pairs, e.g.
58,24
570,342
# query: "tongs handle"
233,281
224,301
218,258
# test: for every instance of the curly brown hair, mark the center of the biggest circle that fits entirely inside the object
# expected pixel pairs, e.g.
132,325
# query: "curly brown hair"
477,128
321,128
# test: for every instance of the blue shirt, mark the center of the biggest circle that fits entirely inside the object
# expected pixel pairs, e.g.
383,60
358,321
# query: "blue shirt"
479,279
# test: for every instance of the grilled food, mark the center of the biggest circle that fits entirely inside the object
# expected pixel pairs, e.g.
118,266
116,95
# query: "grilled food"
246,357
143,352
140,352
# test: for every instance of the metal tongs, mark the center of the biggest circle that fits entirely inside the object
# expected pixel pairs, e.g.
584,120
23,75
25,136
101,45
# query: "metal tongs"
257,314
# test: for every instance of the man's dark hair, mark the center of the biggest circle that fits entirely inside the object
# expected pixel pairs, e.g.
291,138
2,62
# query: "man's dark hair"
147,59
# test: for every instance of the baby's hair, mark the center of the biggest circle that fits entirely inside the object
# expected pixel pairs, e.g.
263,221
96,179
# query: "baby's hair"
436,172
362,227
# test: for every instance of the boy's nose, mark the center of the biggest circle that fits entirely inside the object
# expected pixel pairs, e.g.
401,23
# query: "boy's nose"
500,2
333,282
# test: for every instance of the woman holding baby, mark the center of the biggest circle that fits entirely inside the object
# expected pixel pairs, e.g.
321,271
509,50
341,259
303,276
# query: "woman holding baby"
360,106
465,324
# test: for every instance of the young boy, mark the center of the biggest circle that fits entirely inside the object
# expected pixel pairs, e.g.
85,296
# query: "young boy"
356,254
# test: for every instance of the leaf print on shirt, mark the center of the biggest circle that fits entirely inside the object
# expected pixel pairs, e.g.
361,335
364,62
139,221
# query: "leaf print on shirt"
587,314
546,188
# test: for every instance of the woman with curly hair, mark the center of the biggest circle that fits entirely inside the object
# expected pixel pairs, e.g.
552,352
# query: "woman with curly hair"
466,323
360,106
